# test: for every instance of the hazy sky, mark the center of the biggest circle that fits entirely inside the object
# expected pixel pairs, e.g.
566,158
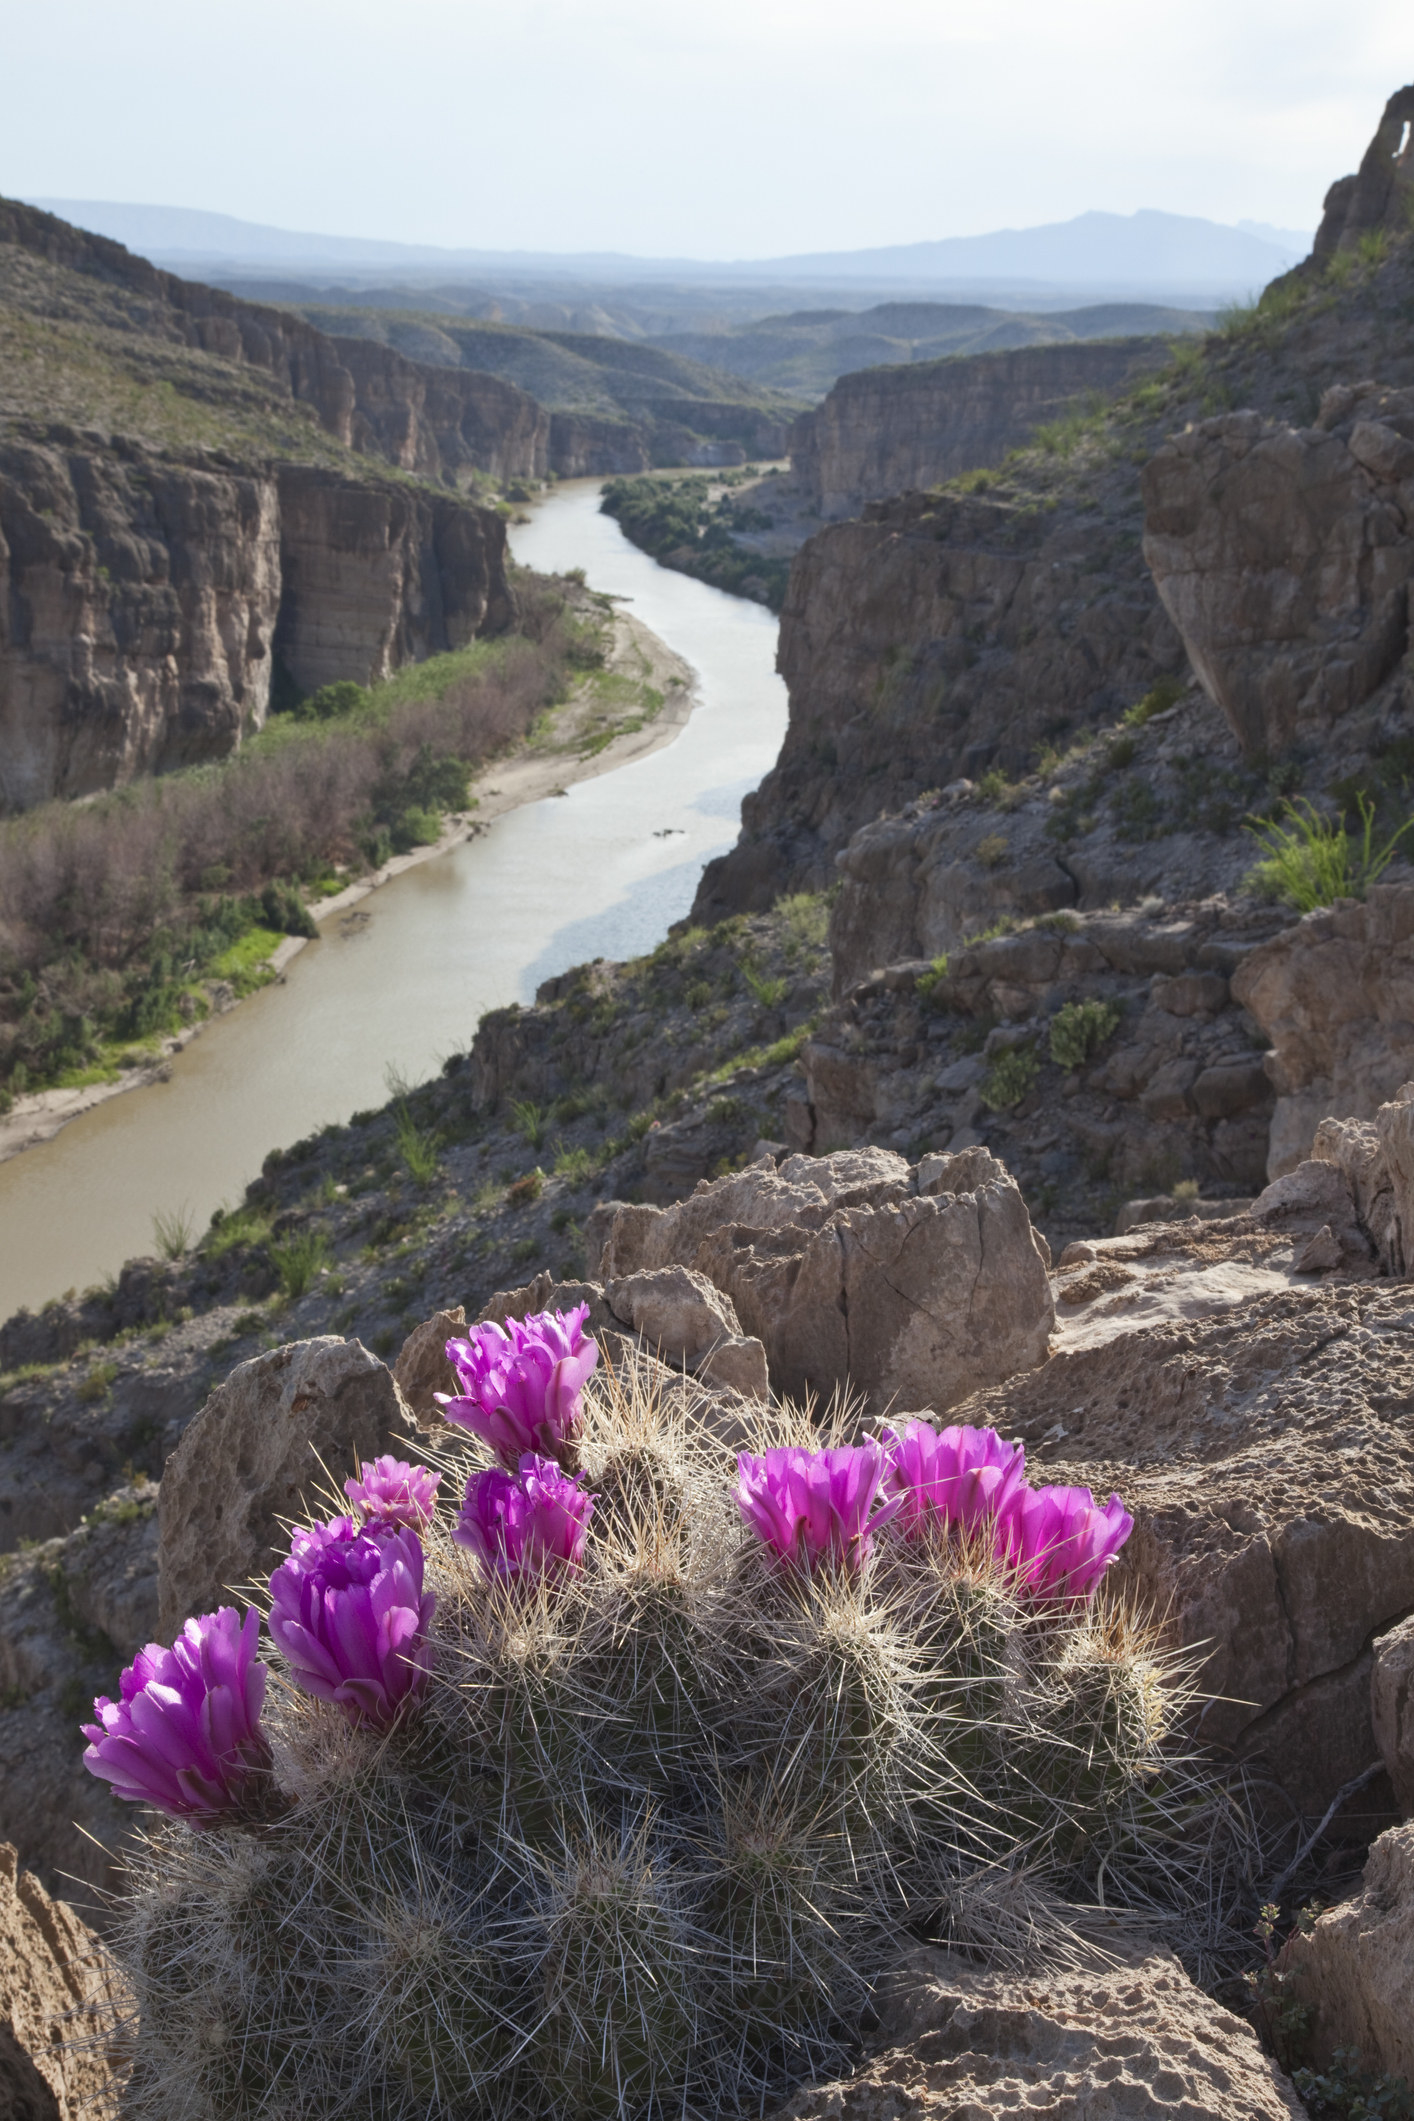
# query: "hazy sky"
698,128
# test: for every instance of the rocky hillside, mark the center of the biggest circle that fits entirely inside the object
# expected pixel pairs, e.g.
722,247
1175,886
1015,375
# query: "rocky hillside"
615,405
992,622
886,430
805,351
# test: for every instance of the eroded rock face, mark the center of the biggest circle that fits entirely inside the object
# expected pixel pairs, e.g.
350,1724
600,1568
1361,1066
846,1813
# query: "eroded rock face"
56,2005
678,1313
1284,558
146,603
891,430
1392,1709
1267,1452
73,1611
422,1368
1335,995
1133,2041
848,1275
1356,1968
249,1459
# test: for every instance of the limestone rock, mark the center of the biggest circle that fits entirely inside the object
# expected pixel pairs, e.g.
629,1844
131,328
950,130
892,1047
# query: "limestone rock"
1267,1452
888,430
73,1611
547,1294
1356,1968
1284,557
684,1319
1377,196
58,1995
1335,995
281,1426
1392,1709
847,1276
422,1368
1126,2041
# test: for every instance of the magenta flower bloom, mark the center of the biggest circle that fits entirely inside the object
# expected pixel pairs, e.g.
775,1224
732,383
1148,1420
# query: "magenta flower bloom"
963,1477
186,1734
525,1523
813,1506
349,1611
521,1385
1061,1541
392,1492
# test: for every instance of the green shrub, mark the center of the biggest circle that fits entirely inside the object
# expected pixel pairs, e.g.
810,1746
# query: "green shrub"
1009,1078
529,1121
172,1228
418,1147
1311,860
298,1260
769,992
1162,694
1080,1029
285,911
235,1228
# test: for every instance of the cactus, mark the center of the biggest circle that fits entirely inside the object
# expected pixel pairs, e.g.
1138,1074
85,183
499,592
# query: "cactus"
649,1803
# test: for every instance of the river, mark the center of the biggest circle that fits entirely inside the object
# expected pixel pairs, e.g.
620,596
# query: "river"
599,872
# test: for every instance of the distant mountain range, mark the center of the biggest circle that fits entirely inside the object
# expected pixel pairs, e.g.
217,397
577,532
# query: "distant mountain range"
1180,257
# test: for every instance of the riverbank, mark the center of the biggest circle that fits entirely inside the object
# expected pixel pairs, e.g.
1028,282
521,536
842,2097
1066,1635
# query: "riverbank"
637,702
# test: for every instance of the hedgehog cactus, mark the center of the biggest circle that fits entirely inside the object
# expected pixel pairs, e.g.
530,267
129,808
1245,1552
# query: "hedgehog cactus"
604,1796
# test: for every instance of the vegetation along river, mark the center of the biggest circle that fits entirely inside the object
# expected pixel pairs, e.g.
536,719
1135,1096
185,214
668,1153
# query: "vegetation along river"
600,871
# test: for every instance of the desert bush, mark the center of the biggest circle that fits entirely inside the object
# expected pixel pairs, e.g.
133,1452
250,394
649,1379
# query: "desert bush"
108,909
1079,1029
1009,1078
298,1261
604,1794
1311,860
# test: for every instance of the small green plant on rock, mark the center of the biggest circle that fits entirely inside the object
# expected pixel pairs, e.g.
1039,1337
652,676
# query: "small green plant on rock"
1311,859
529,1121
172,1228
1009,1078
298,1261
418,1146
1080,1029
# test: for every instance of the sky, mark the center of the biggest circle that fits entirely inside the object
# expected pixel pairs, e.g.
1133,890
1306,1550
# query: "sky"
694,128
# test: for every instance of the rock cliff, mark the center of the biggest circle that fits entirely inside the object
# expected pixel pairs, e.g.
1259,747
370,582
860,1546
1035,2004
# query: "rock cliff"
886,430
976,626
148,602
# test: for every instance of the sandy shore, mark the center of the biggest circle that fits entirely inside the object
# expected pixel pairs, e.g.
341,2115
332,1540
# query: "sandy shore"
545,765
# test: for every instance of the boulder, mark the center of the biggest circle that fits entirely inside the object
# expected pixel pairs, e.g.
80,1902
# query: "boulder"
267,1442
58,2006
1126,2037
1355,1969
1284,558
850,1277
1267,1452
1392,1709
422,1368
547,1294
1334,994
685,1320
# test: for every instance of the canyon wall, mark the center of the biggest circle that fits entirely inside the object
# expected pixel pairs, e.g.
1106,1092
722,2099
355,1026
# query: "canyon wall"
888,430
143,603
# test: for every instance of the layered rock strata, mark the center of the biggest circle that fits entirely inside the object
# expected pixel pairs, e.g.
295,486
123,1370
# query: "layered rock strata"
888,430
147,603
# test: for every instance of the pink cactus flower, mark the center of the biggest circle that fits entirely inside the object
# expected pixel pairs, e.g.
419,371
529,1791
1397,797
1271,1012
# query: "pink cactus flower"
389,1491
957,1477
350,1614
812,1506
186,1734
521,1385
527,1523
1061,1541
